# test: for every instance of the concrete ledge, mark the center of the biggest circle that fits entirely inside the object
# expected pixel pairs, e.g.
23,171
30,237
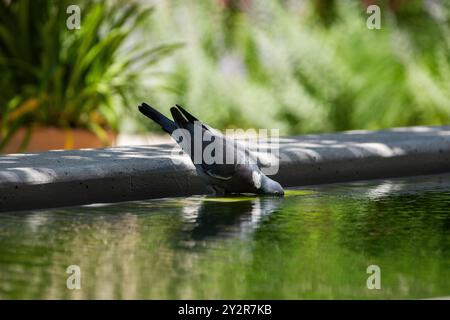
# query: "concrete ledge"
63,178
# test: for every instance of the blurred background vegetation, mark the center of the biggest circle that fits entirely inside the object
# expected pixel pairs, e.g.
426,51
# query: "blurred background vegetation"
297,65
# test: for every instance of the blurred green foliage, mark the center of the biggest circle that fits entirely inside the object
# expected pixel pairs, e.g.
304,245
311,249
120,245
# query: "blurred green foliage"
300,66
308,66
53,76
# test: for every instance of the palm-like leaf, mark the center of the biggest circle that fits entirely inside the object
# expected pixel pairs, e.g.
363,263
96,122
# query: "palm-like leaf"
73,76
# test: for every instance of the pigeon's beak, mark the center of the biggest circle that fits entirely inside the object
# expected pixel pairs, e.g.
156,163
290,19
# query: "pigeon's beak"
278,193
271,187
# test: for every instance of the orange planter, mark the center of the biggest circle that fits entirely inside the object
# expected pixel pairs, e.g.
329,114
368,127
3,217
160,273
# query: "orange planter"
49,138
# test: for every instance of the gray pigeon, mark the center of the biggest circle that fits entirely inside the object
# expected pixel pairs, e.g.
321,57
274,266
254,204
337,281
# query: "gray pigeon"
240,175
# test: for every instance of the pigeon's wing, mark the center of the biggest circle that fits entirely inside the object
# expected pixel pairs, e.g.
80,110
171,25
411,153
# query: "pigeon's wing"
188,116
179,119
220,171
238,148
225,169
185,140
193,119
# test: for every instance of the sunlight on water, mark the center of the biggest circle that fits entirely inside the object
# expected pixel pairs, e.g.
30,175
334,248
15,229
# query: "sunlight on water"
316,242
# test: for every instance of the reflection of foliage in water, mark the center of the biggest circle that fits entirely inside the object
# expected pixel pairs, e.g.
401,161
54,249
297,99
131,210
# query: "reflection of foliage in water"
317,245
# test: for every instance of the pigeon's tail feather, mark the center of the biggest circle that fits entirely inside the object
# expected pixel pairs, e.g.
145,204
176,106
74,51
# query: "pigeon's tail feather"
188,116
178,117
166,124
191,118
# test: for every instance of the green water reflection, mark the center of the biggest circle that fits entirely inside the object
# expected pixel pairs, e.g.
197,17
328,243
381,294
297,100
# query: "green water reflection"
314,244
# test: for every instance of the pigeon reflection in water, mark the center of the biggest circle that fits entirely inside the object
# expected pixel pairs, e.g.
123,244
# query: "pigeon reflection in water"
208,220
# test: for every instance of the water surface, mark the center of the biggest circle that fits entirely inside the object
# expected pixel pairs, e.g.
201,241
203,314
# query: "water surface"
317,242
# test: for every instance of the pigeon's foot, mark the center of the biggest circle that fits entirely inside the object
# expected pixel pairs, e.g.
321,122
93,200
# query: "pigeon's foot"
216,191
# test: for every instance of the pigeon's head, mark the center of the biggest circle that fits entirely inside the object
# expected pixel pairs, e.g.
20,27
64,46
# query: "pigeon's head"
270,187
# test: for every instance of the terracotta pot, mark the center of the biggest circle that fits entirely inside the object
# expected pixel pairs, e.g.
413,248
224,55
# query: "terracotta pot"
50,138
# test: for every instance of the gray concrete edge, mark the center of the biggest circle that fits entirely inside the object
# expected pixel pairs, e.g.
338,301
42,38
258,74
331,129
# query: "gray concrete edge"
66,178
